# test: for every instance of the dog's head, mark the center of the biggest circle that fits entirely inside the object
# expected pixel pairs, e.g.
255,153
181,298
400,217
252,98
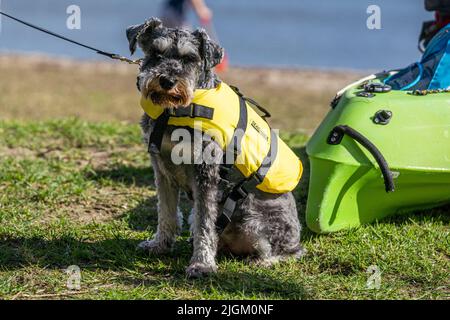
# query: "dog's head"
176,61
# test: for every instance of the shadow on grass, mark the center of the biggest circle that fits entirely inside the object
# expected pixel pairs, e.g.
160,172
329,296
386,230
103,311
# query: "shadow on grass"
236,284
61,252
127,175
113,254
144,215
441,214
135,268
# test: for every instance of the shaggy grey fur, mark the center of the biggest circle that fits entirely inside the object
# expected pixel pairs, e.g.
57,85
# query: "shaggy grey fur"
265,226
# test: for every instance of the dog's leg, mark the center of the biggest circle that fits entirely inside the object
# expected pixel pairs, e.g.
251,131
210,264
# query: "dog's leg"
272,226
169,216
204,223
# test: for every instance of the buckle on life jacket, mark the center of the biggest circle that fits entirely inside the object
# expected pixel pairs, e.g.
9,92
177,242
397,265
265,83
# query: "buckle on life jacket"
239,192
192,111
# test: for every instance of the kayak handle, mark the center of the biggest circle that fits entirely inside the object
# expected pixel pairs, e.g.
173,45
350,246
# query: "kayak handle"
336,136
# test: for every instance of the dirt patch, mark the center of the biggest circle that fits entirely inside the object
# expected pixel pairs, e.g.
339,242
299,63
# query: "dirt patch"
81,157
99,206
17,153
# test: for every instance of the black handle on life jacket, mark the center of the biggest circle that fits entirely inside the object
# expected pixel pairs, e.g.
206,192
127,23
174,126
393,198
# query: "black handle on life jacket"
252,102
338,133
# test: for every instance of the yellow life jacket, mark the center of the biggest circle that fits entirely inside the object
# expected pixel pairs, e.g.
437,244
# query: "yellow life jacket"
261,152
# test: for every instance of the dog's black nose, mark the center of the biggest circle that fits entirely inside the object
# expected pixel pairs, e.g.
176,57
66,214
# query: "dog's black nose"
166,83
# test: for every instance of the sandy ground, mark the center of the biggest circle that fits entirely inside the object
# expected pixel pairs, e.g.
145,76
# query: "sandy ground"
38,87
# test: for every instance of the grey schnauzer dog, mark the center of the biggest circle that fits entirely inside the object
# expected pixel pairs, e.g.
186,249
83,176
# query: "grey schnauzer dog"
264,226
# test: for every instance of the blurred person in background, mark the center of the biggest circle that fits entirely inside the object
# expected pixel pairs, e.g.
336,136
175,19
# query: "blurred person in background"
432,71
431,28
175,12
175,15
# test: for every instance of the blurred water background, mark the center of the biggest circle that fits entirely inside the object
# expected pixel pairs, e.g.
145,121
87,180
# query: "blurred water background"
261,33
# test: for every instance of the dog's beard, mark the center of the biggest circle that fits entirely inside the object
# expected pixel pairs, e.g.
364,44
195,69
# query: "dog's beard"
180,95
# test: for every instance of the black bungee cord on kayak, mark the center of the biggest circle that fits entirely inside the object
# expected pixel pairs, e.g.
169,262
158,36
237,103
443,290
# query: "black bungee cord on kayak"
338,133
98,51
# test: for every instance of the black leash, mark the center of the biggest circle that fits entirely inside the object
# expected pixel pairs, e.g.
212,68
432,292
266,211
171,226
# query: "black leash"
101,52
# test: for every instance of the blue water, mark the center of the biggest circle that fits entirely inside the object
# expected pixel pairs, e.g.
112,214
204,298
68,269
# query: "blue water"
282,33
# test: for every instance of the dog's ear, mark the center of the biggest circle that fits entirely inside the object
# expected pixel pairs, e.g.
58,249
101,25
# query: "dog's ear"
135,31
211,53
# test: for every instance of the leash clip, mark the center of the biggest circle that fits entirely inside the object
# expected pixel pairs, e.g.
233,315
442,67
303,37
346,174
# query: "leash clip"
124,59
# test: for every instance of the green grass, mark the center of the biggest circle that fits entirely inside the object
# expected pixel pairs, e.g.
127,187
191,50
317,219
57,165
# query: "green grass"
78,193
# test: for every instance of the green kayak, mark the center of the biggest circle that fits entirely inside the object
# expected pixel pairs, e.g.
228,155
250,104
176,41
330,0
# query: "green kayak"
378,152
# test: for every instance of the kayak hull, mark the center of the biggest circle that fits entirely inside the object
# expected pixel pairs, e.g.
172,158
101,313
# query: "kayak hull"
346,185
345,196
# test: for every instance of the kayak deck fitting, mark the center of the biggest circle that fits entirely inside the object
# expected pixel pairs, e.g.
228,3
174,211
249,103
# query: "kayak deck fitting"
378,152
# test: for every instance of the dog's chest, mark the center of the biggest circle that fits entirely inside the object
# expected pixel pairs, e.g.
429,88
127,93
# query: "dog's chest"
179,174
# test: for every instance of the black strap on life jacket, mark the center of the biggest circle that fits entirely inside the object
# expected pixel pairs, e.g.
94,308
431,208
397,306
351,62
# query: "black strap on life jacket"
160,125
247,185
193,111
231,175
234,148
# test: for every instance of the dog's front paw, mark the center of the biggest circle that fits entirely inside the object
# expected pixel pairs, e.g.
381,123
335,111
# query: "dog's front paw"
199,269
153,247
